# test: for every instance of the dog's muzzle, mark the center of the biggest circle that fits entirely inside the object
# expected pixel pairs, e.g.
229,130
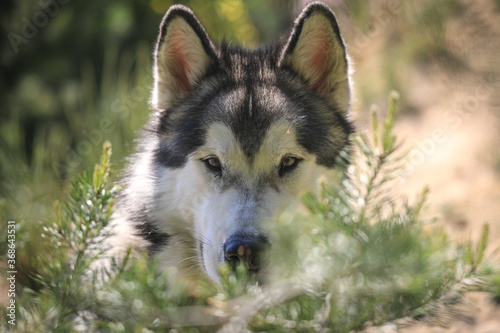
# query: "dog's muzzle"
247,250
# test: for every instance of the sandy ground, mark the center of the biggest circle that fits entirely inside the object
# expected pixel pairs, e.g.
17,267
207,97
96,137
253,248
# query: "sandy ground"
454,144
454,159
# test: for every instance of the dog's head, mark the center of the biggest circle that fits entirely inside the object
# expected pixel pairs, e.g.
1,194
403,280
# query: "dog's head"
241,133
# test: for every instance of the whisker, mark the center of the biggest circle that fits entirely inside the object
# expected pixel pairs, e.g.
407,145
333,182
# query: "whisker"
188,258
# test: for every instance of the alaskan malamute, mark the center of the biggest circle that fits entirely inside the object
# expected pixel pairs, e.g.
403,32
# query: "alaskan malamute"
236,135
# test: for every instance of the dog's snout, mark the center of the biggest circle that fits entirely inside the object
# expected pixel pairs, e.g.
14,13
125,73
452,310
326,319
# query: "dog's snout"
247,250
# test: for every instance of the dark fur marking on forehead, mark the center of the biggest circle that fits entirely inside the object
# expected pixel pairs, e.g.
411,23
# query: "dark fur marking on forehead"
250,124
248,69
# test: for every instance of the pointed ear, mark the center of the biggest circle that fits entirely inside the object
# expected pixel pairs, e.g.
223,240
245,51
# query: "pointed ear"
316,52
184,53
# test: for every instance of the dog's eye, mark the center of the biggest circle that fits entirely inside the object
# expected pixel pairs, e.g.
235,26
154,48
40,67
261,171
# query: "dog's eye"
213,164
288,163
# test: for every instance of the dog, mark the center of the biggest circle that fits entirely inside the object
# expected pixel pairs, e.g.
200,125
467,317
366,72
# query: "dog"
235,137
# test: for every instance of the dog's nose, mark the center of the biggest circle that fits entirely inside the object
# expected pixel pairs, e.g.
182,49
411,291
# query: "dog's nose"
245,249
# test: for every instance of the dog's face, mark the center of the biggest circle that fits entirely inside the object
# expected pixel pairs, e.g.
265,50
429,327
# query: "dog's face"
241,133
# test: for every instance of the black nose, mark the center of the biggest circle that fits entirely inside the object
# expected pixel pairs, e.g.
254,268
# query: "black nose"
245,249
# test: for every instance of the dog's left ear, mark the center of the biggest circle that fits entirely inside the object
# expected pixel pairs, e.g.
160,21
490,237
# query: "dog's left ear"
184,53
316,52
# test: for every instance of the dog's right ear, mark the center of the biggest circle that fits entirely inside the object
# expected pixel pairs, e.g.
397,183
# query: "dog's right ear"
184,53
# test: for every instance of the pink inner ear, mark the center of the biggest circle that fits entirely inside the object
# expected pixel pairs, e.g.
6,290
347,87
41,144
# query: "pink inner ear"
319,63
180,59
320,49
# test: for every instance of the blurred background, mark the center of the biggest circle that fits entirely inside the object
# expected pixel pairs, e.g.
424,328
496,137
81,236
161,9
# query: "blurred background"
74,74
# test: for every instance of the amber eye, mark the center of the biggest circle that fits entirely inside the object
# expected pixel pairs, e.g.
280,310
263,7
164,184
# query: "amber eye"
288,163
213,164
214,161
